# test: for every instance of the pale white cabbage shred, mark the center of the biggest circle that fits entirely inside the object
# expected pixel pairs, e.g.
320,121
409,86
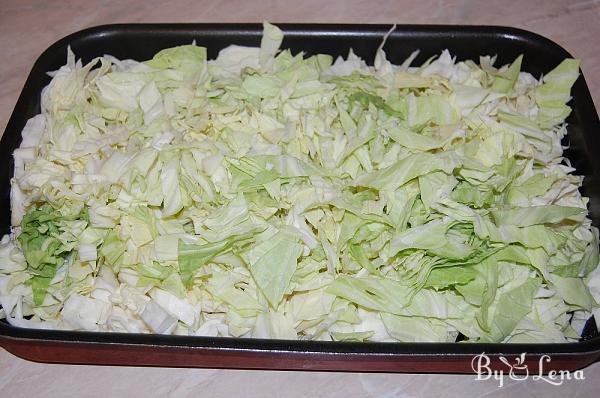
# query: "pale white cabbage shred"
271,195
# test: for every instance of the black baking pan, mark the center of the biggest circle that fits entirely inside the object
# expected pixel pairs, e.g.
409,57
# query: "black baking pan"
466,42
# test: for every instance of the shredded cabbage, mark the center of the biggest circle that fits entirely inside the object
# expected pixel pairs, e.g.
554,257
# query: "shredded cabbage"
271,195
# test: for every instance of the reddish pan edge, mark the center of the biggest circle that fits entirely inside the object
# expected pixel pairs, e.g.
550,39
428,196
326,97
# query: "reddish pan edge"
87,353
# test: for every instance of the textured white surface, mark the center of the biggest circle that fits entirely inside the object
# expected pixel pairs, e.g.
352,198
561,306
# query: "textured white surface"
29,27
19,378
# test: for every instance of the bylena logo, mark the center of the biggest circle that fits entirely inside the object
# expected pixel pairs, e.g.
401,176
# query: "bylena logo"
519,371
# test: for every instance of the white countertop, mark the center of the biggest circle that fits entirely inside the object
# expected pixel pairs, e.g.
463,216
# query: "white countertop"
19,378
29,27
